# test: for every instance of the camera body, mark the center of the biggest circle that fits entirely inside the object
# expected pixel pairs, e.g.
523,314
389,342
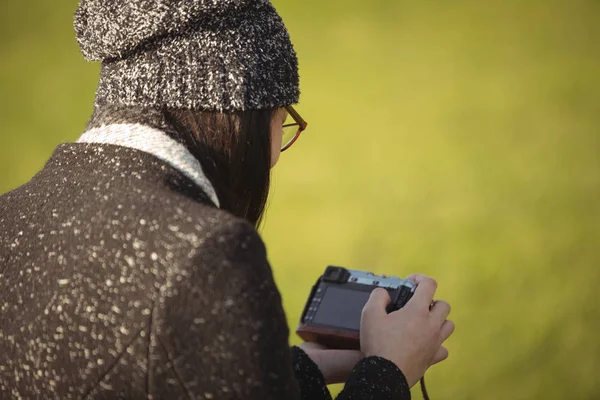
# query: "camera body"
332,313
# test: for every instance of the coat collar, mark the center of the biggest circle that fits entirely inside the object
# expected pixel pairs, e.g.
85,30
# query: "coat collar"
156,143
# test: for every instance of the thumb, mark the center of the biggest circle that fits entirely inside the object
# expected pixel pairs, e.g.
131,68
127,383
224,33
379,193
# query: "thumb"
376,305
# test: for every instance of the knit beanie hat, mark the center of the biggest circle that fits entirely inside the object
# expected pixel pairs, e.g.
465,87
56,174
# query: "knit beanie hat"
203,55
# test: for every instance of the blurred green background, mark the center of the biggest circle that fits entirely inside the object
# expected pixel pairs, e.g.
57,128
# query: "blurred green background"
456,139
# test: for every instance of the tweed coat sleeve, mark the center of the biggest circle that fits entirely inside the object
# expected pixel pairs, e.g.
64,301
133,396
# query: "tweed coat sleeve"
373,378
225,336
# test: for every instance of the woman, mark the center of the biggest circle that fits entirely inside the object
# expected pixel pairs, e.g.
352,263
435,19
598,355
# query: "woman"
131,267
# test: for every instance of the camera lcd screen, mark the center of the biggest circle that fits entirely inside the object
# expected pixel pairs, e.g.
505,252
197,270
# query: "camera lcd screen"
341,308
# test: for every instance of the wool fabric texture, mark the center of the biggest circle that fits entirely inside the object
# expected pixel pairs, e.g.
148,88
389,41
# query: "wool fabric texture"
120,279
205,55
157,143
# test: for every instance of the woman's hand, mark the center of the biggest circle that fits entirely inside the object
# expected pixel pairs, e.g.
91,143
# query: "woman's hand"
335,365
411,337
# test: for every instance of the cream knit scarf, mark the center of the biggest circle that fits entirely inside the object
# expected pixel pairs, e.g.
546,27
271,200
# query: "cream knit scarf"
157,143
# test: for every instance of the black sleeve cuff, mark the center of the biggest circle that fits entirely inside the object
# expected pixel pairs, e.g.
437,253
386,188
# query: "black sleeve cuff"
375,378
311,380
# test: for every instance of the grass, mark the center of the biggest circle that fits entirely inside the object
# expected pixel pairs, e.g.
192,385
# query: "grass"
455,139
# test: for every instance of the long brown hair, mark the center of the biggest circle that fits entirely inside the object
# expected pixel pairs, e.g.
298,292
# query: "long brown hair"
234,149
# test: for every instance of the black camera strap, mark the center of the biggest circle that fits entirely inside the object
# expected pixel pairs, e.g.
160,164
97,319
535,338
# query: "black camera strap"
424,389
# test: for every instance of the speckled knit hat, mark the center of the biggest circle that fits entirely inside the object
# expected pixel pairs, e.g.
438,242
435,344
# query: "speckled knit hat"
195,54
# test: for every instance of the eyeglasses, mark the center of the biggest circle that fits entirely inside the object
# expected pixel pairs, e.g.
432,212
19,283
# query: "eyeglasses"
292,131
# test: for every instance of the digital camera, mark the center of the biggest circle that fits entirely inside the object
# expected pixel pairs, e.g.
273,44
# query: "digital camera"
332,313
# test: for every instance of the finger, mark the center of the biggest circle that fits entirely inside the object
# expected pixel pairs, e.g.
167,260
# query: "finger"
312,346
440,356
415,277
440,310
376,304
447,330
424,292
